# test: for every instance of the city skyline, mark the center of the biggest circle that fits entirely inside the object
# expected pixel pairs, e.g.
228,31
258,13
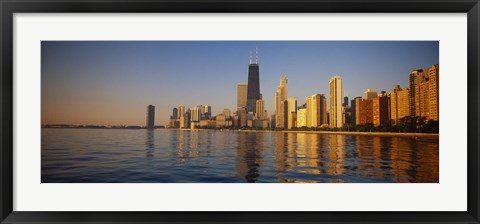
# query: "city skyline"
371,65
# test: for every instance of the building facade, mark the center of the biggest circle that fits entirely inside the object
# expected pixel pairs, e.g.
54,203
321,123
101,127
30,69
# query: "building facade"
364,112
301,117
336,110
381,110
253,89
292,113
316,110
242,95
281,95
370,94
415,78
433,89
150,124
399,104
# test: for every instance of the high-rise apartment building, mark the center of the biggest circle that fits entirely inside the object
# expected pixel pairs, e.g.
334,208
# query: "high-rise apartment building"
422,97
220,120
357,101
381,110
260,109
399,103
370,94
253,90
336,110
301,117
364,112
242,116
195,113
316,110
415,78
281,95
150,117
260,114
284,114
433,89
181,116
242,95
292,112
207,111
426,93
353,109
227,113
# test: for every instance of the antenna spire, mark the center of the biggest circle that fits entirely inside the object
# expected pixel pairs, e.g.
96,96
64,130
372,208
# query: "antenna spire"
256,55
250,56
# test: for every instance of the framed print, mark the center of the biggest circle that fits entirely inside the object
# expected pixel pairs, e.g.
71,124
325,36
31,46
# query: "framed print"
216,111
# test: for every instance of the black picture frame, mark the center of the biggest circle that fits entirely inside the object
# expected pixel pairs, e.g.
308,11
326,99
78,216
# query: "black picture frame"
9,7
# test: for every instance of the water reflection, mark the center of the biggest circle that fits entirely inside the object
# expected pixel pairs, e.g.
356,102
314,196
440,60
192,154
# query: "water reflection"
179,156
150,143
249,156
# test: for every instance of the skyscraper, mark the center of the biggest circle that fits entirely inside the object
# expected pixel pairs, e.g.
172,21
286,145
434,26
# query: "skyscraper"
292,112
175,113
434,92
301,117
422,98
370,94
253,92
415,77
150,117
381,110
281,95
336,111
364,113
260,113
284,117
195,113
353,103
399,103
316,111
207,112
182,116
345,101
227,113
242,95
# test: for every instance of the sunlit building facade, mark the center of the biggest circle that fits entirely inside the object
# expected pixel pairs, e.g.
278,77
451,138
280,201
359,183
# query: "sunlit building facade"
381,110
316,110
399,104
336,109
364,112
370,94
301,117
292,112
281,95
242,95
433,92
415,78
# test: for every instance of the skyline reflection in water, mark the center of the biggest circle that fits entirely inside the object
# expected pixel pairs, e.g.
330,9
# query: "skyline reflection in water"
202,156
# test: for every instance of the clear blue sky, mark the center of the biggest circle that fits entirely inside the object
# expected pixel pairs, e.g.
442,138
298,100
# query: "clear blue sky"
112,82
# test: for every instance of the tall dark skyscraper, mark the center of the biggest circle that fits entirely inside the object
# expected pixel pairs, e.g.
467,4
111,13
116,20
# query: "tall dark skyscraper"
175,113
253,89
150,117
345,101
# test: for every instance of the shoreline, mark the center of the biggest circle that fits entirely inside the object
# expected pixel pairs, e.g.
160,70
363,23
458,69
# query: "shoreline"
387,134
391,134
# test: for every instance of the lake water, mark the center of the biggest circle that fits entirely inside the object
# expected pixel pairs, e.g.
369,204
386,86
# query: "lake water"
203,156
